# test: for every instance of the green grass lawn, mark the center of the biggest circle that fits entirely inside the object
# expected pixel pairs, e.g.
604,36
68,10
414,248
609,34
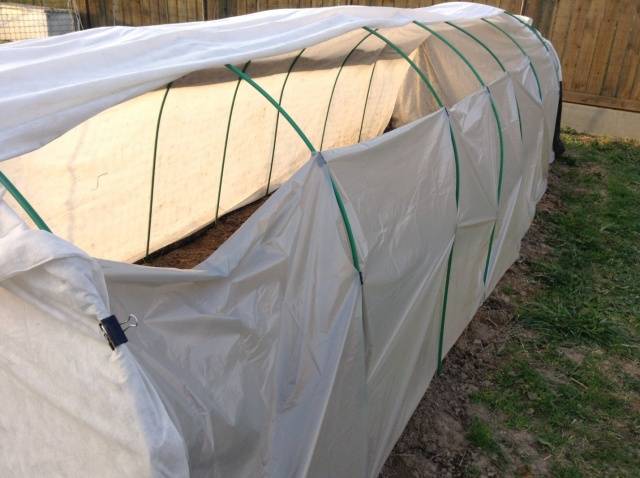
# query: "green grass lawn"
570,377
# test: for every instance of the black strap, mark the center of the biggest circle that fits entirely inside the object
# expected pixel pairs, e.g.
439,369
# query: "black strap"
558,145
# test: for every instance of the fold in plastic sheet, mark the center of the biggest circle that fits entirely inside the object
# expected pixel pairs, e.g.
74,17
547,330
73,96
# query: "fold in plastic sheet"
393,208
269,359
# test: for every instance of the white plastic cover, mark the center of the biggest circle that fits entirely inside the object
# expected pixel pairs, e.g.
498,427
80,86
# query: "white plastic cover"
270,358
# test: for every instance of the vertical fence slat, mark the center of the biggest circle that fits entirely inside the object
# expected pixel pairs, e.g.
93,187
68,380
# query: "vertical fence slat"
590,33
632,56
603,48
212,9
618,50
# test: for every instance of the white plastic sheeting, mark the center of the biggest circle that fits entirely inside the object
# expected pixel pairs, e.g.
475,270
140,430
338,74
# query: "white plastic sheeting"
270,358
340,91
89,71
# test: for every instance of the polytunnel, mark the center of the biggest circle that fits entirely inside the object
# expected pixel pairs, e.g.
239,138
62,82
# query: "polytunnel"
403,152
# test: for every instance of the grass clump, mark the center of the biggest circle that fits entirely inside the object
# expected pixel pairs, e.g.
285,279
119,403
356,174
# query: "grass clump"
480,435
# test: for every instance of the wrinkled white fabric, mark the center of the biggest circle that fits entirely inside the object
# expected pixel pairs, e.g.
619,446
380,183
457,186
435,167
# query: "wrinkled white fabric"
270,358
90,70
164,177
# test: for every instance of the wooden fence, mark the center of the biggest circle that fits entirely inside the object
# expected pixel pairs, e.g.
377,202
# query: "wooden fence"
148,12
598,40
599,44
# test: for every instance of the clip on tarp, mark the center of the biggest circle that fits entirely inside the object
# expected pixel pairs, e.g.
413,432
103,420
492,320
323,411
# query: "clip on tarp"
113,332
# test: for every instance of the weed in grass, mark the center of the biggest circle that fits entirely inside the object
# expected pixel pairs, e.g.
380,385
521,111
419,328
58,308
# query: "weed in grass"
559,471
481,436
472,471
571,322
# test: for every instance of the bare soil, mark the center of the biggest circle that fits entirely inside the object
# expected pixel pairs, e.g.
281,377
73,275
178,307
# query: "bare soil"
190,252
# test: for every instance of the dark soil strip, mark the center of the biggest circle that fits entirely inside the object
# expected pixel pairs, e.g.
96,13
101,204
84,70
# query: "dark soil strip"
191,251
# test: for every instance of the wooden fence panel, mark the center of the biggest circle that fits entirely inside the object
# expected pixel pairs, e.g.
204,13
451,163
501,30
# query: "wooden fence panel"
599,46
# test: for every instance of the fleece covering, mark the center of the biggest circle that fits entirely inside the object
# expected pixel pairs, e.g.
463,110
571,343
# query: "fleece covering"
303,344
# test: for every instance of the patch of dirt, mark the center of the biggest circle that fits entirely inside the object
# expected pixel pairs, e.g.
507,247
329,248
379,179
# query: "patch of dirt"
434,442
190,252
554,377
631,368
574,354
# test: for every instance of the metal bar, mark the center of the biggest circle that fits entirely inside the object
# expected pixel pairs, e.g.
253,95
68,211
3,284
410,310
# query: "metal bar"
335,82
540,39
153,167
426,81
22,201
513,40
413,66
530,27
243,75
454,49
226,141
479,42
495,57
312,149
496,117
275,134
366,100
428,84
